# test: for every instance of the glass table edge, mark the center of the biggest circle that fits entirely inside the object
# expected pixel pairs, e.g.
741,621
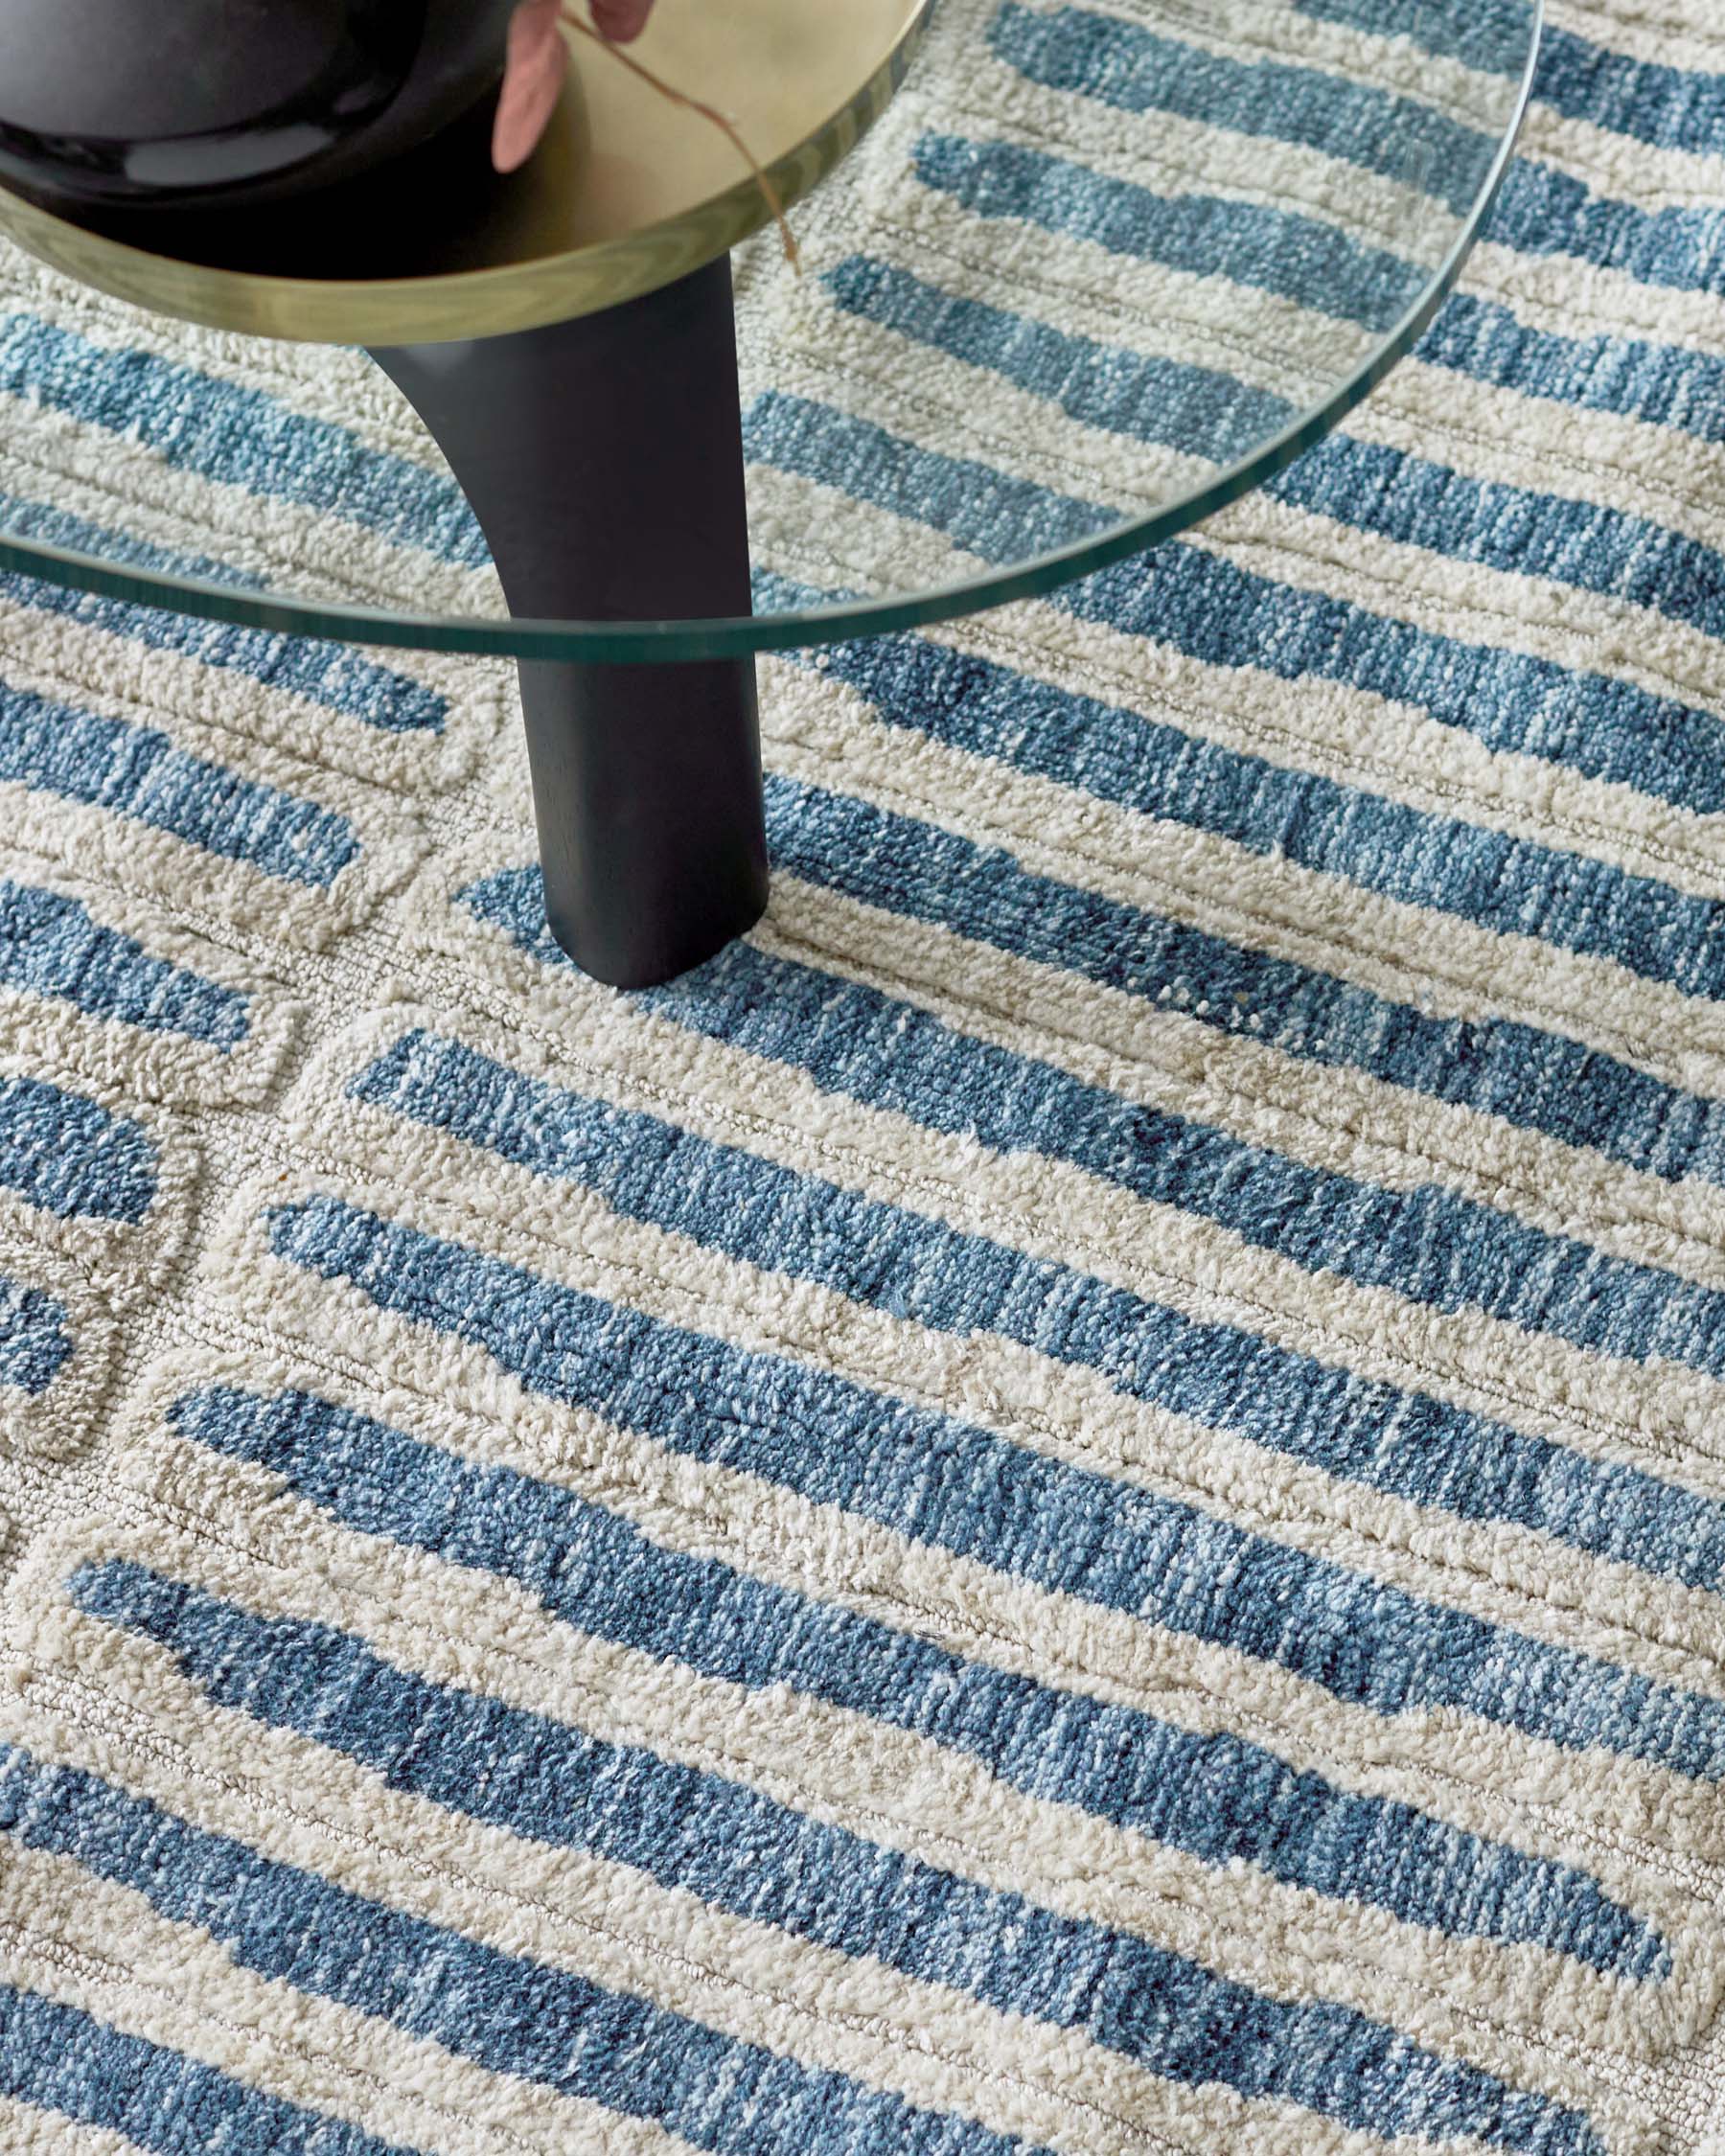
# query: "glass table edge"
626,643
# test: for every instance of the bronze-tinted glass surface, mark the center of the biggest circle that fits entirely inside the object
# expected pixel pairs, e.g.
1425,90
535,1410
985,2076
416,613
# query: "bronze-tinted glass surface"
627,190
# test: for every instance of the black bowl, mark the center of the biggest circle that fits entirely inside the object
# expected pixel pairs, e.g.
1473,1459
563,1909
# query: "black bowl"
180,104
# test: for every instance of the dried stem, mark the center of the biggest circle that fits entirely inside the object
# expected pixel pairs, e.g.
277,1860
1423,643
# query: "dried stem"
769,193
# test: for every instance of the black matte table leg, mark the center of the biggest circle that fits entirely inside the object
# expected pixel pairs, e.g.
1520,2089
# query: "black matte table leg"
603,460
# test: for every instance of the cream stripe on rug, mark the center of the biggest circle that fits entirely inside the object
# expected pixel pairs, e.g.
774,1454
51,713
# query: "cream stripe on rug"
1075,1500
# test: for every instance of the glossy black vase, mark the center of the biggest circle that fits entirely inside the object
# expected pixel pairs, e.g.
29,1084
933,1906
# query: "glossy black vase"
123,104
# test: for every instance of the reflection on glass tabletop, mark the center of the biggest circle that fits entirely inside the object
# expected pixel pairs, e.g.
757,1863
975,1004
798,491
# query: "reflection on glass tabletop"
1072,276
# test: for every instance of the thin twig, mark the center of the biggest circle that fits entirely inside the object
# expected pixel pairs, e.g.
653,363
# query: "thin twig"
769,193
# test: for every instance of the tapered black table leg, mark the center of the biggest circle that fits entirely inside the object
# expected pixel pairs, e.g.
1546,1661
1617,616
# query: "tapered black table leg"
603,460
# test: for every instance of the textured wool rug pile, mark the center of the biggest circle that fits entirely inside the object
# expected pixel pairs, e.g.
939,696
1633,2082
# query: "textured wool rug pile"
1075,1500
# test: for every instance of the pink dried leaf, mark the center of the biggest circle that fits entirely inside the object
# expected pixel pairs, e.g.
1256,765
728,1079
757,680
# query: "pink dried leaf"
534,66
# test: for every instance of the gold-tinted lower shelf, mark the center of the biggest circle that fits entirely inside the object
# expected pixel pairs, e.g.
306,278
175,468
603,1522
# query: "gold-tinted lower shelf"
626,192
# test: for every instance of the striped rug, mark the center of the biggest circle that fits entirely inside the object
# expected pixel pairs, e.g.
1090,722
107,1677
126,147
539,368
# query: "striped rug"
1075,1500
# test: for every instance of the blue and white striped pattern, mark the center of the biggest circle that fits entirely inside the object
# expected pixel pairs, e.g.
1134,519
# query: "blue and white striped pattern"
273,777
105,1181
35,1340
1074,1501
57,1342
131,996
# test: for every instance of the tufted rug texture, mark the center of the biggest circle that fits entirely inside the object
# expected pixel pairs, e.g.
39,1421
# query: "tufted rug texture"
1072,1502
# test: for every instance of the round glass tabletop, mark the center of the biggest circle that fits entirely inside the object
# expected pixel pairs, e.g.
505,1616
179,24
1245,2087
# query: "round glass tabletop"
1071,277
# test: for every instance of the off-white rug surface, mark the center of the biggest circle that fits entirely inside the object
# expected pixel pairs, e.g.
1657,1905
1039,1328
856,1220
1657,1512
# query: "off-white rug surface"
1073,1502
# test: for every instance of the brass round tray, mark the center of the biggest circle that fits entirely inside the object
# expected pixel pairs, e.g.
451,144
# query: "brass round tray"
626,192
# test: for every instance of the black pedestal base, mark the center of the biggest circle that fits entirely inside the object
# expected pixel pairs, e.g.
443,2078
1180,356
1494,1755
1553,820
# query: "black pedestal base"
603,460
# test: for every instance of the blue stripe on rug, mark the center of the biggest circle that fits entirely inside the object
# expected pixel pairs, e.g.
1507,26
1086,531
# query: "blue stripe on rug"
890,1053
1130,69
25,517
35,1338
1663,384
63,2061
514,2016
1281,251
1509,884
1068,1529
71,1157
742,1853
1599,725
1582,545
1428,1244
1216,1795
925,872
53,947
1539,1081
1147,396
240,437
1666,107
137,773
1489,36
333,675
973,504
1587,545
1539,212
